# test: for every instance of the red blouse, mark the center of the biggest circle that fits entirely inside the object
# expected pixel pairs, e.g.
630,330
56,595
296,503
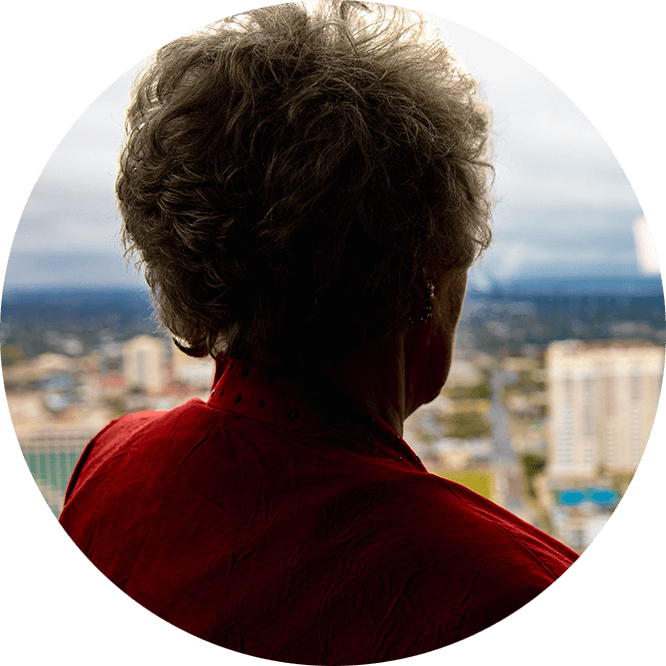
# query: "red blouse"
286,527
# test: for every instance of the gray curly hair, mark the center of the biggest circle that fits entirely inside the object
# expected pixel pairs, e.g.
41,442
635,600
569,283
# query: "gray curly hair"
293,177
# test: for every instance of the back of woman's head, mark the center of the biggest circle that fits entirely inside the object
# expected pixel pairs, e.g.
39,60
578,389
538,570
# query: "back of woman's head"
293,178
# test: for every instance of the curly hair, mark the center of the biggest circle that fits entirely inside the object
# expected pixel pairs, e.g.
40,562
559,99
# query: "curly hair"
293,178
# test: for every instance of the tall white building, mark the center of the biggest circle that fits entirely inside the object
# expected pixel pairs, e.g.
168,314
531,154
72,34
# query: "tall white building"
646,253
602,401
144,364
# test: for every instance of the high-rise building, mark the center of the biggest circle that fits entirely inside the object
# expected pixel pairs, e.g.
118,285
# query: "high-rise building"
602,401
646,254
144,364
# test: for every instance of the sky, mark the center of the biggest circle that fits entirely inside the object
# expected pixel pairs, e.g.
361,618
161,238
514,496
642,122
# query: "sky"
565,207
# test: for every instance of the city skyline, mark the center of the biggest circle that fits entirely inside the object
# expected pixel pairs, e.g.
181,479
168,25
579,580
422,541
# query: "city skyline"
581,413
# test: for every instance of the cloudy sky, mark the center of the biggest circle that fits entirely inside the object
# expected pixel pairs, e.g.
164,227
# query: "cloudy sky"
564,206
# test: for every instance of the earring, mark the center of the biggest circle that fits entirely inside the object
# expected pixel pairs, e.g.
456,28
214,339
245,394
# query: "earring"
426,313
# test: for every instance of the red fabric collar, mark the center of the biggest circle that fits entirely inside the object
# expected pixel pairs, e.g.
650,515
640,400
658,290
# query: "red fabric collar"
275,398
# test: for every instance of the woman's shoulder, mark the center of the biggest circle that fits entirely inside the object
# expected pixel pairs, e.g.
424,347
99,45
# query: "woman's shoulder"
448,514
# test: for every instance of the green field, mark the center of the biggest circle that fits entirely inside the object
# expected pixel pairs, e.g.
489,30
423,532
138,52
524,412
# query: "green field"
479,480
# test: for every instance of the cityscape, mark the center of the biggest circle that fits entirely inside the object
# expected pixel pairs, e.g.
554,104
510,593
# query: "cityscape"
547,410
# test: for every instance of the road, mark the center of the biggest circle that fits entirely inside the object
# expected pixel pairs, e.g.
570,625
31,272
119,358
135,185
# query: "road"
504,459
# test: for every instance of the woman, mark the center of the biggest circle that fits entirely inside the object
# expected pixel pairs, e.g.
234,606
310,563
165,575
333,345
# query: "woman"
305,190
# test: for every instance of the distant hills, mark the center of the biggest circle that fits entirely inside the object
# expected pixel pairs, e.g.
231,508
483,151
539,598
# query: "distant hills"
504,317
97,307
523,286
114,307
573,286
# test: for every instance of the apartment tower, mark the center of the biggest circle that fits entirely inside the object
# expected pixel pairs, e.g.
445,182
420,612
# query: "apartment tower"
602,400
